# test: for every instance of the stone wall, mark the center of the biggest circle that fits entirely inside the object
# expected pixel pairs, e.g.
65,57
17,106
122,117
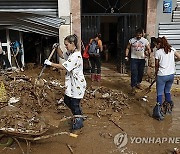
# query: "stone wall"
76,18
151,17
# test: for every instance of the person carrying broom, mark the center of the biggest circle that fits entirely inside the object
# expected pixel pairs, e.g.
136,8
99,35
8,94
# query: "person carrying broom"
164,70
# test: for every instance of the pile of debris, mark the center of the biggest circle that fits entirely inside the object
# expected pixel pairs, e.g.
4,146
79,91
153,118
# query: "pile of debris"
22,101
23,93
105,101
15,121
25,100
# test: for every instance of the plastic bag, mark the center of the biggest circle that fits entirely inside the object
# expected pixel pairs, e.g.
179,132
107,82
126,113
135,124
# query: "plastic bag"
85,53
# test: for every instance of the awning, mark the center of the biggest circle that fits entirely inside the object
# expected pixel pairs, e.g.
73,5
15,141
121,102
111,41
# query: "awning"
31,16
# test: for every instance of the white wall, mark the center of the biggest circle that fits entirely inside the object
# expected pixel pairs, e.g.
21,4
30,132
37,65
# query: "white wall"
64,10
64,7
163,17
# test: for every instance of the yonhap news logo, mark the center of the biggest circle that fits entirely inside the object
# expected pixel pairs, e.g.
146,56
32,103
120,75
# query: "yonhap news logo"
121,140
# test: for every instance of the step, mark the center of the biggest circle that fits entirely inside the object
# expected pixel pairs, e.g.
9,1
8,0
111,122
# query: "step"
170,37
170,27
175,20
169,23
167,31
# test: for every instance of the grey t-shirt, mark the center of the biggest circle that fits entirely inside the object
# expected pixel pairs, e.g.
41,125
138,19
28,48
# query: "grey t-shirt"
138,47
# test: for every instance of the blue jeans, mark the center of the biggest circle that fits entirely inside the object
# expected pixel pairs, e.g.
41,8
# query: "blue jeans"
137,71
4,58
163,86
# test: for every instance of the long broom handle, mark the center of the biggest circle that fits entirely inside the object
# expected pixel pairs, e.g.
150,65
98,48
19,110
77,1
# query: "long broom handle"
152,83
15,60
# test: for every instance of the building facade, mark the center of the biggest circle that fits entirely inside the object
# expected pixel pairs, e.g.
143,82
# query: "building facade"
116,20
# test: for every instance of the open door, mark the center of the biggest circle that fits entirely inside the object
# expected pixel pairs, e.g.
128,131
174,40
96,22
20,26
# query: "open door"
126,27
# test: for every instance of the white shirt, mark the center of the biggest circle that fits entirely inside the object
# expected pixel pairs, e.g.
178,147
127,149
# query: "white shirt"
166,62
75,82
138,47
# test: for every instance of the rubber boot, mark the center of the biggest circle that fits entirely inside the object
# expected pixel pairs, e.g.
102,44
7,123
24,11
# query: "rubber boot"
98,77
93,77
167,107
77,123
157,112
164,107
170,106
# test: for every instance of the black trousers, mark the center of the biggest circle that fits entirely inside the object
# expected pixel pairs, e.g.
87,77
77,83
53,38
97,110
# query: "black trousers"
4,58
95,62
18,57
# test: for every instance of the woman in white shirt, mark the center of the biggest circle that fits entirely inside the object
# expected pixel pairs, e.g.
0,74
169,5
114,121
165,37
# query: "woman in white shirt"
165,70
75,82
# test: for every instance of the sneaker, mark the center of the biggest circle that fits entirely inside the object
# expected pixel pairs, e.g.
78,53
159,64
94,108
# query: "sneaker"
21,69
138,86
133,90
9,69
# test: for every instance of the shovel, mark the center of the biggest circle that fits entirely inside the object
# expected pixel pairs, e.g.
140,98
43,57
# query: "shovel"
39,81
145,91
15,60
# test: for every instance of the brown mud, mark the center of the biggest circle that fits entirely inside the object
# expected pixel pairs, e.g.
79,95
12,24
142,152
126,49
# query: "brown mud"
110,110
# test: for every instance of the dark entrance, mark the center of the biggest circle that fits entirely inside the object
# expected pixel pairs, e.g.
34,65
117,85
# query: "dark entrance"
37,47
116,21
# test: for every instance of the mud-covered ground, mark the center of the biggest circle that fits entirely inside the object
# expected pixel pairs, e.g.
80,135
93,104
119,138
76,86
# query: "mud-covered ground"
112,113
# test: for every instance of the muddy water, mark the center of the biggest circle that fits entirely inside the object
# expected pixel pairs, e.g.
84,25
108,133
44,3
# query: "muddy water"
138,124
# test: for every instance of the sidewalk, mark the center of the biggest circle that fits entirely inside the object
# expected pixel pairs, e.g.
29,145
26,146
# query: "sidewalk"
109,73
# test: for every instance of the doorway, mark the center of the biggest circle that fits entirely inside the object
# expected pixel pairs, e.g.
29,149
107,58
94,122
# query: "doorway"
116,30
116,21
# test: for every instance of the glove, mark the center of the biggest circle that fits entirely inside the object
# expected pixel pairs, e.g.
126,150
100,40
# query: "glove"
55,45
4,53
126,58
47,62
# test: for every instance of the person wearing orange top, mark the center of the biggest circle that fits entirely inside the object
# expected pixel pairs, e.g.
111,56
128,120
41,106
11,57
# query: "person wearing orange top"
95,59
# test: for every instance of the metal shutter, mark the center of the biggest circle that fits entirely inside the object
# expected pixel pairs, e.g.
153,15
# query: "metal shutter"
38,16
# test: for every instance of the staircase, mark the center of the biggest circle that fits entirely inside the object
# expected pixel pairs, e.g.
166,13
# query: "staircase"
171,30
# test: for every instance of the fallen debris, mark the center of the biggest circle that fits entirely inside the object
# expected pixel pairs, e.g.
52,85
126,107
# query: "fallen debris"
70,148
176,151
116,124
49,136
15,121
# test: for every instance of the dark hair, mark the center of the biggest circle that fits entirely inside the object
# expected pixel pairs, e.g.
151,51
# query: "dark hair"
139,30
98,35
153,41
164,44
72,39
